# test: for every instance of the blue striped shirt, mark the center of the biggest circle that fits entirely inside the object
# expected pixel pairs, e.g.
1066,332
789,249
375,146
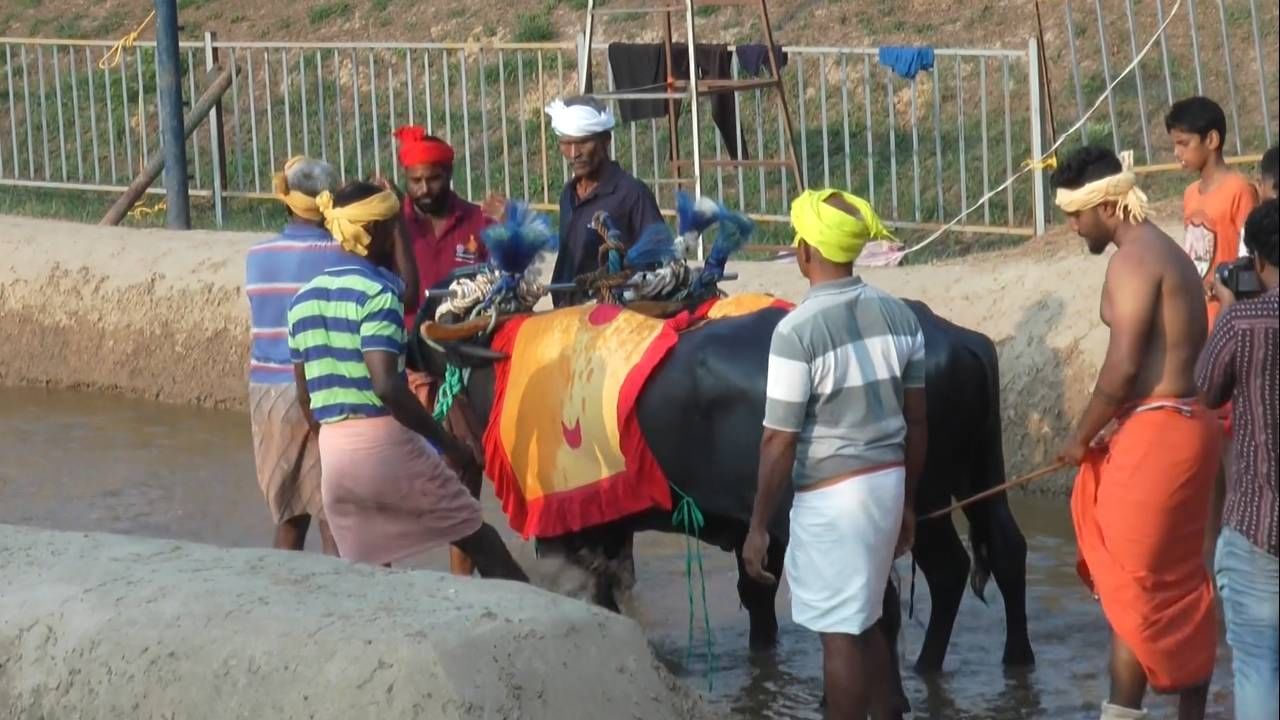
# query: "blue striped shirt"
341,314
275,270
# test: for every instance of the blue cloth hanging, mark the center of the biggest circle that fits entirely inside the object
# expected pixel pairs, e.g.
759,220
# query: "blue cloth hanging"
907,61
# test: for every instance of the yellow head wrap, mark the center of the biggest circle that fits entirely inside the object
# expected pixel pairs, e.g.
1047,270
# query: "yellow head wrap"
1122,189
301,204
834,233
349,224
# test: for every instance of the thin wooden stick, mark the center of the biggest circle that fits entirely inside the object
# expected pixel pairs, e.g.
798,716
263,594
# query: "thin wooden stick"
996,490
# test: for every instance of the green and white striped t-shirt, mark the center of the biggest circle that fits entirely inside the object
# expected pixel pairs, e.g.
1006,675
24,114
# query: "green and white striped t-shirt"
333,320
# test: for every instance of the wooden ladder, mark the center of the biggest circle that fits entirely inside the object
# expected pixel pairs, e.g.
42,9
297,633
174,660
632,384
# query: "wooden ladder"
693,90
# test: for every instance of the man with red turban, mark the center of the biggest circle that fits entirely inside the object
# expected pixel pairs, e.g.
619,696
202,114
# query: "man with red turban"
443,233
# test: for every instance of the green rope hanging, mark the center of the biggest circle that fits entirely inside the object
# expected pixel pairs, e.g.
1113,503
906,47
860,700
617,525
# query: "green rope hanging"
449,389
689,519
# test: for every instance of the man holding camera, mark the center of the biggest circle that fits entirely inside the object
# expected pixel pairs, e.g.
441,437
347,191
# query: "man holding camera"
1241,364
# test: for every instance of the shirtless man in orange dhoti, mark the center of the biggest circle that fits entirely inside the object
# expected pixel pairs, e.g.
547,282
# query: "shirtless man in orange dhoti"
1147,452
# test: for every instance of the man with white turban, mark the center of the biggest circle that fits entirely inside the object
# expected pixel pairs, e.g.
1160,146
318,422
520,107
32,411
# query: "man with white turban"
584,127
844,423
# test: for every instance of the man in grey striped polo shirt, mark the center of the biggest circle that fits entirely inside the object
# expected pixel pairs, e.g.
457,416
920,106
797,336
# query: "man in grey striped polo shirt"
845,421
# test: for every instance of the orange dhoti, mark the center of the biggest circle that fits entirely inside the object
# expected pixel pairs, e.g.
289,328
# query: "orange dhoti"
1140,509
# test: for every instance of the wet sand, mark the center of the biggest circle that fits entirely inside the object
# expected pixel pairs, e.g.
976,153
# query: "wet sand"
79,461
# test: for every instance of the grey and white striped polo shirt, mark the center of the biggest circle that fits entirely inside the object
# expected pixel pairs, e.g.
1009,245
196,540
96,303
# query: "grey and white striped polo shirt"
838,365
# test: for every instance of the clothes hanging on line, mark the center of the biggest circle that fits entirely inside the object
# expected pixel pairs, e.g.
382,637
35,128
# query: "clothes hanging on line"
753,59
907,62
643,68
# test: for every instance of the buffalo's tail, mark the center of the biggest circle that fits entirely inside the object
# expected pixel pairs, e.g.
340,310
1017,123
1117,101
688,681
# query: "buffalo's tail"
988,473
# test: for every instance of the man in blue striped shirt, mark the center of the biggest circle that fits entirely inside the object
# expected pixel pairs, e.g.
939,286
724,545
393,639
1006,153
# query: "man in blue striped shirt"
284,445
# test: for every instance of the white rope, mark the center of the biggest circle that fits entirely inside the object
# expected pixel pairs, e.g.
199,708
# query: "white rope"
1031,165
656,283
466,294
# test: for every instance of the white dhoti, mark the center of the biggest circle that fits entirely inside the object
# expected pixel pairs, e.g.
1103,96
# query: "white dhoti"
841,551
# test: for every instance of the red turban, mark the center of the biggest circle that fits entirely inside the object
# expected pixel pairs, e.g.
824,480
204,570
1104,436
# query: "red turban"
419,148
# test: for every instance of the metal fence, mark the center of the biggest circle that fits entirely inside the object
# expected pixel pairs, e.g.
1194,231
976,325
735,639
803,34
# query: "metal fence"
1225,49
918,149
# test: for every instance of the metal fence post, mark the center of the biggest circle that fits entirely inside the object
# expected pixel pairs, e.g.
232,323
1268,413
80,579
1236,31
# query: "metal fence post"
584,63
169,90
216,146
1037,173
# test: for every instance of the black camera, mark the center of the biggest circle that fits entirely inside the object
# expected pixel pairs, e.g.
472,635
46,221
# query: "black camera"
1240,276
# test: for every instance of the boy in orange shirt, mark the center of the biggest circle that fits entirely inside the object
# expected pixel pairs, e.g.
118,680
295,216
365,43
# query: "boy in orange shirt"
1214,207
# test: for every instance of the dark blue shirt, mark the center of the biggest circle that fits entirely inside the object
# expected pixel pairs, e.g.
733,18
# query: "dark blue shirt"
627,200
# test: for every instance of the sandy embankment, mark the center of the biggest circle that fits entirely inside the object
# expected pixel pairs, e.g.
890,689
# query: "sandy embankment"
163,315
109,626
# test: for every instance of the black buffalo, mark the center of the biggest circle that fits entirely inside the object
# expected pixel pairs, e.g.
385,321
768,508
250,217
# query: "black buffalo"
701,414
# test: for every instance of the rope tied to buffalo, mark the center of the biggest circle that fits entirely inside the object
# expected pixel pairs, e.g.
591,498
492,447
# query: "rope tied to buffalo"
688,518
449,389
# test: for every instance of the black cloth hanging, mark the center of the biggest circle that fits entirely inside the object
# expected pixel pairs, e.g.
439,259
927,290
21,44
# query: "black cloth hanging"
753,59
643,68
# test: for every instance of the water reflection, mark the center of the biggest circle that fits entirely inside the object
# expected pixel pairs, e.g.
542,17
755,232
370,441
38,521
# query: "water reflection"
87,462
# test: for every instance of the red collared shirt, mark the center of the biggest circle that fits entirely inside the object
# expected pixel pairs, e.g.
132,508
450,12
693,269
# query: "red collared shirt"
440,247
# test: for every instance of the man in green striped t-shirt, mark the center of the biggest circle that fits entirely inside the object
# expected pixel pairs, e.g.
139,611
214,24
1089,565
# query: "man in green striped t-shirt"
387,492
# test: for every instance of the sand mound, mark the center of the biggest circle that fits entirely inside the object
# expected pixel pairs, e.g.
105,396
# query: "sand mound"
108,626
163,315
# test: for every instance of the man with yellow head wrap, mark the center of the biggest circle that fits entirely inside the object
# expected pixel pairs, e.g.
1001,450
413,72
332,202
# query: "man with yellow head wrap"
284,447
389,471
1147,450
845,424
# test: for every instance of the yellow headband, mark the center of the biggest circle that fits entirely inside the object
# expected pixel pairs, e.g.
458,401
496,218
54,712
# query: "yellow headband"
349,224
302,205
1122,189
834,233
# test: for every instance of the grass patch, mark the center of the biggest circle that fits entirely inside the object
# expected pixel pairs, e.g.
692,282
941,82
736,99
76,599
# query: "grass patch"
534,27
241,214
380,6
326,12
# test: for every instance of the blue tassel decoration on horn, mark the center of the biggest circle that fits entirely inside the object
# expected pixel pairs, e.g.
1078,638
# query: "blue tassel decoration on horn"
516,242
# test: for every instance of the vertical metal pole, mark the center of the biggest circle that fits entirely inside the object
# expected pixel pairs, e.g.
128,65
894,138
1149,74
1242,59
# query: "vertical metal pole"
871,163
1195,46
1262,72
960,132
1137,78
1106,75
695,120
215,136
584,49
177,203
1231,81
1037,175
1164,52
844,114
1075,76
804,136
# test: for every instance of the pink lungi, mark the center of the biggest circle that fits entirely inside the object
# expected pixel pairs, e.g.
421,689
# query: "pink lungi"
387,493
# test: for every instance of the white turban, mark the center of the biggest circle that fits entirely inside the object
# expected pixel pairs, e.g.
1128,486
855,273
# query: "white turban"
1121,188
575,121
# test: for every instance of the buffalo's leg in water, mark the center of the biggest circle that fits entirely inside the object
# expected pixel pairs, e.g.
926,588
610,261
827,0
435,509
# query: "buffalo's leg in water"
1006,556
890,623
758,598
941,557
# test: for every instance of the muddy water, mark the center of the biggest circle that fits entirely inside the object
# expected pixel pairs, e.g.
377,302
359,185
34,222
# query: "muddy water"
76,461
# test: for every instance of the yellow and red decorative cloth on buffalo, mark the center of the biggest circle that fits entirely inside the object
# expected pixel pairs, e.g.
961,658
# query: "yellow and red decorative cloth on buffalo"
564,446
